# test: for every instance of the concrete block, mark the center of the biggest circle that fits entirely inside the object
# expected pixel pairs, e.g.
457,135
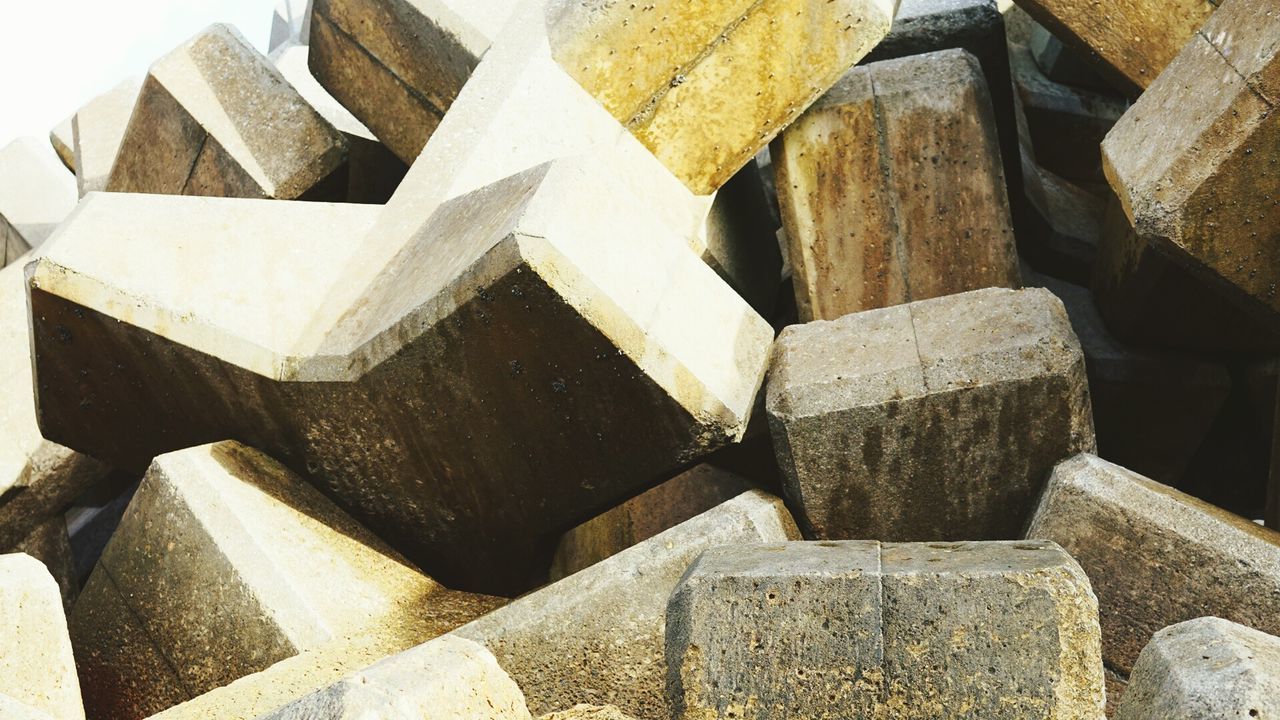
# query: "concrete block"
227,563
1156,556
62,137
50,544
956,410
98,129
690,493
214,117
36,194
860,629
1205,668
290,24
1132,42
588,712
891,189
14,710
597,636
1193,161
448,677
37,669
1063,65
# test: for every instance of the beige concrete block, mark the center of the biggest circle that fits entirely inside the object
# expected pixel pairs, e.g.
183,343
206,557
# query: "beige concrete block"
36,665
588,712
62,137
36,194
227,563
98,129
50,544
891,189
214,117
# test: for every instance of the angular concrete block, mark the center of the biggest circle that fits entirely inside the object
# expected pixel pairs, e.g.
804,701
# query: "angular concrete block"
936,420
1205,668
226,563
214,117
290,24
588,712
1063,65
891,189
1067,222
1193,162
36,194
860,629
1156,556
98,128
37,669
1132,41
597,636
448,677
62,137
50,544
690,493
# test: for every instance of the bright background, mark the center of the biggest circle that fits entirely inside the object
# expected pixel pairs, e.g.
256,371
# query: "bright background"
56,55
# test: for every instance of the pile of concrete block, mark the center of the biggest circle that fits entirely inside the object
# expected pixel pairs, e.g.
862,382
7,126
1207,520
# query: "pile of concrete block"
680,360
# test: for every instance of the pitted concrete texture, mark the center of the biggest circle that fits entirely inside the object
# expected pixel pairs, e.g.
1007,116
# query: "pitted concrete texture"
1156,556
860,629
37,669
588,712
937,420
1205,668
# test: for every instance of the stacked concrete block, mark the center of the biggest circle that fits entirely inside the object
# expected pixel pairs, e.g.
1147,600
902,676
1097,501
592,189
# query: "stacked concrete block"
588,712
1205,668
36,194
214,117
891,189
98,129
37,670
1155,556
225,564
290,24
1061,64
62,138
597,636
1193,161
860,629
1131,43
51,545
938,420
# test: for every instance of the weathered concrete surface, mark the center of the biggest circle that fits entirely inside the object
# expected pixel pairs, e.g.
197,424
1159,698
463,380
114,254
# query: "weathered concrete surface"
36,194
226,563
891,189
1131,41
588,712
1193,162
62,138
214,117
938,420
690,493
447,677
98,129
1205,668
1151,409
597,636
1156,556
13,710
860,629
49,544
36,665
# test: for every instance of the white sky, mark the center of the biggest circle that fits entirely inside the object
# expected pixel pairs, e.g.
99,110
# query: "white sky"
55,55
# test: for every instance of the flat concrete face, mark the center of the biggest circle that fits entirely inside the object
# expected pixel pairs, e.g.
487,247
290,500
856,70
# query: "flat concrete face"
861,629
277,568
862,234
1156,556
1132,41
36,194
50,544
1205,668
448,677
214,117
597,636
936,420
588,712
98,129
37,669
1192,161
62,138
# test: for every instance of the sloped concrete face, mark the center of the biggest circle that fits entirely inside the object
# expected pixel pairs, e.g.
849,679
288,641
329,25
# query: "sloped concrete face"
37,670
98,129
225,564
1205,668
214,117
861,629
36,194
1156,556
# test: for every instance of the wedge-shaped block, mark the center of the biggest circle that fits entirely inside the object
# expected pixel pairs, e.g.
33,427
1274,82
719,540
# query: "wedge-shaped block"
1205,668
891,189
597,636
226,563
860,629
214,117
1193,162
1156,556
37,669
1131,41
448,677
36,194
62,137
98,128
935,420
290,24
